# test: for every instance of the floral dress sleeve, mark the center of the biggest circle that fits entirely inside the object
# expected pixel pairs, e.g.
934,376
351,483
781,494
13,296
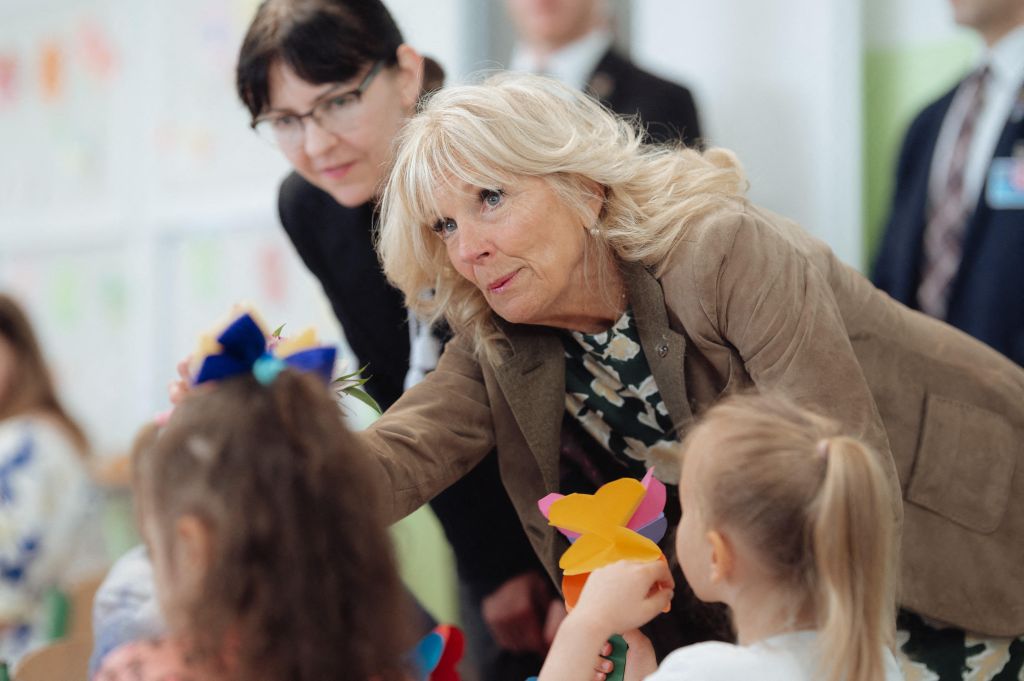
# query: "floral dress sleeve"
45,495
154,660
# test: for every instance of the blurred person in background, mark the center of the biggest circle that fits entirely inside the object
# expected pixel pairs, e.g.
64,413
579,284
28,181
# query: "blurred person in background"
572,40
49,523
954,241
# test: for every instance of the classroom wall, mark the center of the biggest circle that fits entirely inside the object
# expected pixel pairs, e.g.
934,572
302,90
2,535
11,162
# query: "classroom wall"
136,207
778,82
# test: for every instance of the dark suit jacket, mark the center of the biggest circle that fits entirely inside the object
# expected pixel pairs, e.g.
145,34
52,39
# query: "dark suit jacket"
336,244
667,109
987,295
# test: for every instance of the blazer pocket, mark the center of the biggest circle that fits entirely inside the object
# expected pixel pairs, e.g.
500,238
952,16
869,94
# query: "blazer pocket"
964,465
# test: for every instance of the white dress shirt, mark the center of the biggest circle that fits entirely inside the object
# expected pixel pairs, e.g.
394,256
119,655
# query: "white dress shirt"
572,64
1002,89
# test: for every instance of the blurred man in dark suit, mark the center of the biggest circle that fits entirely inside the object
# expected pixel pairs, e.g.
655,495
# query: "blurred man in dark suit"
954,244
572,40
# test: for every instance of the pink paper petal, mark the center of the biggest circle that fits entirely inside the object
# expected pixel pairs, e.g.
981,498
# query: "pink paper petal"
653,503
545,508
545,503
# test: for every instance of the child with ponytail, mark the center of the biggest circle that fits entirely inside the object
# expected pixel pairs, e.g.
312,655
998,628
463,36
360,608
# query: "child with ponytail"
786,521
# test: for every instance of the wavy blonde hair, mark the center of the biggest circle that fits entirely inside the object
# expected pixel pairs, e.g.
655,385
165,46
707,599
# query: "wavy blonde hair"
512,126
814,505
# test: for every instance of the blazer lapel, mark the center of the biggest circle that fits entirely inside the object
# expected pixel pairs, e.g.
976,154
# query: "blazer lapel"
533,377
533,382
664,348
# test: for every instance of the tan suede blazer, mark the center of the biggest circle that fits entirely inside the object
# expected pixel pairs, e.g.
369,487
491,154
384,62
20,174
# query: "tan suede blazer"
749,298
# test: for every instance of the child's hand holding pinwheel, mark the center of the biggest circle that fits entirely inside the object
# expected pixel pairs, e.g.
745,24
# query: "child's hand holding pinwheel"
614,534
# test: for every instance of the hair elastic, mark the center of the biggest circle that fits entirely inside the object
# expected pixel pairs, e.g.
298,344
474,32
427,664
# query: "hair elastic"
266,368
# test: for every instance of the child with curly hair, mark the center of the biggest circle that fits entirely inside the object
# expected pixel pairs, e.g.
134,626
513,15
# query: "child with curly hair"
270,555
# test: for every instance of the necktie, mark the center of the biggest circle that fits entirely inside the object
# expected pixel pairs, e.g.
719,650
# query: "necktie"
944,233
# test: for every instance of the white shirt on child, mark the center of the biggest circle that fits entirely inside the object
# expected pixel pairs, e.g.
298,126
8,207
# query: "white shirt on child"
787,657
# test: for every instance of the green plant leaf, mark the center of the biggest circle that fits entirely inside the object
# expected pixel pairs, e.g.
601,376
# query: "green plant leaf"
364,397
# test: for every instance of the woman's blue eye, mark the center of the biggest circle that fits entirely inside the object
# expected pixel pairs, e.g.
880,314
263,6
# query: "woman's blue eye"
491,197
444,227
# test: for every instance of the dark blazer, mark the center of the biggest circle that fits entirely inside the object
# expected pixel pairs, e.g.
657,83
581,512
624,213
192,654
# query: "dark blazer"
667,109
987,296
336,244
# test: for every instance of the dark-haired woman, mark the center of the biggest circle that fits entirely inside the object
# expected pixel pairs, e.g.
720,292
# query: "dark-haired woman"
330,82
47,501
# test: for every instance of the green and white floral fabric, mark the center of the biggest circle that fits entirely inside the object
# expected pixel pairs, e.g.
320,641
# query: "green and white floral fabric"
609,389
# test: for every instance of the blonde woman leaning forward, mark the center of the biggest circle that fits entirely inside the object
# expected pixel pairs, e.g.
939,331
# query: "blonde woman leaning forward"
627,288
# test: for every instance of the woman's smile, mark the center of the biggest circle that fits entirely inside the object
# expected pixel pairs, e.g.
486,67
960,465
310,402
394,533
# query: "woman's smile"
502,283
336,172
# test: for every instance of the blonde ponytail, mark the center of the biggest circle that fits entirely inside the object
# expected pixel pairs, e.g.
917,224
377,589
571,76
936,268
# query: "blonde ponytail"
815,508
852,534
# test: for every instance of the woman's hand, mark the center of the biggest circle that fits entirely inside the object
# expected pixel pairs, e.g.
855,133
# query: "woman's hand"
641,661
516,613
625,595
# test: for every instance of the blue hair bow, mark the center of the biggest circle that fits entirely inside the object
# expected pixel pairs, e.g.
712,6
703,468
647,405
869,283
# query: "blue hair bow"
244,348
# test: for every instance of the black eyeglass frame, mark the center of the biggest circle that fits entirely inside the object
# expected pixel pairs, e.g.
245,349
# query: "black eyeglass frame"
358,93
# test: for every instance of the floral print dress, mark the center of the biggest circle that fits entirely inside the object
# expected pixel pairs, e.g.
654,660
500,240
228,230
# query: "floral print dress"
610,391
49,516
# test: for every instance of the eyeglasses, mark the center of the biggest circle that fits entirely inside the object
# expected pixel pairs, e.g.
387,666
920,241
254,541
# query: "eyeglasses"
334,113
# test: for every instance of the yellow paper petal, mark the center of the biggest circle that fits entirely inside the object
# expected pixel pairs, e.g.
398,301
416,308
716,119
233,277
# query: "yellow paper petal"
304,341
610,507
241,308
631,545
588,550
591,552
206,346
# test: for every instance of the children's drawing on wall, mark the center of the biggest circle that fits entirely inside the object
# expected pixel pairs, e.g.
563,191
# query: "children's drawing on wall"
202,133
58,81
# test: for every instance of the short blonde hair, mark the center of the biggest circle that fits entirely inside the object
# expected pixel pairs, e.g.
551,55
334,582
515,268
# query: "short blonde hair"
517,125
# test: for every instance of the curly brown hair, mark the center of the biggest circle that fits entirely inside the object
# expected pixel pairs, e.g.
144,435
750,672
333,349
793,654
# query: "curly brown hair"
301,582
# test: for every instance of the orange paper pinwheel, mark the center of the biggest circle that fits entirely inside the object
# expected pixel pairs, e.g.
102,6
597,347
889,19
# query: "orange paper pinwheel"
601,519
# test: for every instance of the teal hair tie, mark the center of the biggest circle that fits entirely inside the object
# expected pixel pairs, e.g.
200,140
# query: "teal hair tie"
266,368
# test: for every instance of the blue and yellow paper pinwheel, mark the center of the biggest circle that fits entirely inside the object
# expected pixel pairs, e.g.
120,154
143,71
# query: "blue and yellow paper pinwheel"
243,347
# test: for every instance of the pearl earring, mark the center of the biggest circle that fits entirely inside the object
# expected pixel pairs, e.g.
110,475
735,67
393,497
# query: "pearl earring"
594,231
